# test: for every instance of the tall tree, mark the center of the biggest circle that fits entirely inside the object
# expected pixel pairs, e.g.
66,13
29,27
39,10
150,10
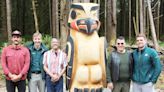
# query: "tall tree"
64,11
152,27
130,20
162,19
55,19
111,22
35,16
3,28
8,14
141,16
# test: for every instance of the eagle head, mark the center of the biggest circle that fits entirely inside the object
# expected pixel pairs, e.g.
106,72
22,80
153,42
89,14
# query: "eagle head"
83,17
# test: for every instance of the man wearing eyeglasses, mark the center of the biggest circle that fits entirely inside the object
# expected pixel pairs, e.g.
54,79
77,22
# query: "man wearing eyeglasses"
147,66
119,68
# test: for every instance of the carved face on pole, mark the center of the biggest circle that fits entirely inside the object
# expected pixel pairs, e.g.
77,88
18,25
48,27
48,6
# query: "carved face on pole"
84,17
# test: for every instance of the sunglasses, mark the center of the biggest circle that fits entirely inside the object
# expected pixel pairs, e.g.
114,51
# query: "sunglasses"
120,43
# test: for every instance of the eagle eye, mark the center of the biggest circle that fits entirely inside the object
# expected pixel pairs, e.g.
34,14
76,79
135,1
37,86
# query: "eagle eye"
73,14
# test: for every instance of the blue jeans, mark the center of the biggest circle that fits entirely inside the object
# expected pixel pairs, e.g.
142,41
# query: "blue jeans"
54,86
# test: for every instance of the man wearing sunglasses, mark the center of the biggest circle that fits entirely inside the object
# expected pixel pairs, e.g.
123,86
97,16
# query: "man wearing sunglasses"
119,68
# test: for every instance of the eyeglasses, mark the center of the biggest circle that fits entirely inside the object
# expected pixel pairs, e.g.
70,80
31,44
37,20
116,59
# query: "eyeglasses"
120,43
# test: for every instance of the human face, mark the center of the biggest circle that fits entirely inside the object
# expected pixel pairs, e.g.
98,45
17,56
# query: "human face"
16,39
54,44
141,42
120,45
37,40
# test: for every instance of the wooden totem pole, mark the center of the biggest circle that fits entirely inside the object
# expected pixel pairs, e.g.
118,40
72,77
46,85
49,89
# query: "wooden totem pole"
85,49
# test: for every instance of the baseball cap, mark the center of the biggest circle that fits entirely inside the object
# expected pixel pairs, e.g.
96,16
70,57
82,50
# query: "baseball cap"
16,32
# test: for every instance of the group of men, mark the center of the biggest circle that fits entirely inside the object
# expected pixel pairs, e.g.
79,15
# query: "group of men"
46,67
142,66
40,65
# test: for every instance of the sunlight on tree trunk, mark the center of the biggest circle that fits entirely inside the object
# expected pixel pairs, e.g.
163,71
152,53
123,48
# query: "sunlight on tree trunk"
63,22
130,17
35,16
141,16
55,19
8,14
152,27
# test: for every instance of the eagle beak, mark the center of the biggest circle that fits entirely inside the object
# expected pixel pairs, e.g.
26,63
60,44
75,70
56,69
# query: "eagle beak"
87,26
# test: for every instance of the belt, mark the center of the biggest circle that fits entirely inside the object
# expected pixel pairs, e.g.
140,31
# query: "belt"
36,72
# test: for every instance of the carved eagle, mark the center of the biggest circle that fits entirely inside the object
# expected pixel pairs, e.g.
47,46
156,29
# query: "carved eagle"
85,49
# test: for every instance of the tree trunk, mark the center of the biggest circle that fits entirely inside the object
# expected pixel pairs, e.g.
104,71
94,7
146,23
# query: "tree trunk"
111,22
130,17
55,19
3,30
152,27
141,16
35,16
8,14
158,19
137,15
162,20
64,9
50,16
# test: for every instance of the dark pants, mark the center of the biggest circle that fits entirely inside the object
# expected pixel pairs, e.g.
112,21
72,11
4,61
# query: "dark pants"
121,87
54,86
21,85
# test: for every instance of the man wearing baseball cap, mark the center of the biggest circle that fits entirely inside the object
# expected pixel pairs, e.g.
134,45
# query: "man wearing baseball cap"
15,60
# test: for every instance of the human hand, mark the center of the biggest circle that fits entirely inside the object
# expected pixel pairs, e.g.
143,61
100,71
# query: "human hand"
55,77
16,78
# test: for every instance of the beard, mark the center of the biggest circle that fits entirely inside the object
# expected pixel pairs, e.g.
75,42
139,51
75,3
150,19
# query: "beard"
16,43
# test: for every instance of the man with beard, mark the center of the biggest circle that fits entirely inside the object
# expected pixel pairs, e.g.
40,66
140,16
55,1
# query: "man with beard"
15,63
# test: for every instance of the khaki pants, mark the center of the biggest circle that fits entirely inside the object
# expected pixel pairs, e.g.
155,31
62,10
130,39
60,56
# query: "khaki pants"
121,87
148,87
36,83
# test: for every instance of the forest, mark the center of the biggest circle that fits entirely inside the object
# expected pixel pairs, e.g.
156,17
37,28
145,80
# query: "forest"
118,17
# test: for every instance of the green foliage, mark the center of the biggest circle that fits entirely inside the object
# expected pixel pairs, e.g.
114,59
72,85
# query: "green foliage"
2,76
2,44
47,40
161,43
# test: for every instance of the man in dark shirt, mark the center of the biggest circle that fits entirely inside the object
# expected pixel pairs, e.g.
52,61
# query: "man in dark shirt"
36,74
119,68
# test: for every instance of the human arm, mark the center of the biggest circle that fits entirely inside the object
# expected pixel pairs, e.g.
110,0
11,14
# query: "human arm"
25,69
157,66
4,62
108,73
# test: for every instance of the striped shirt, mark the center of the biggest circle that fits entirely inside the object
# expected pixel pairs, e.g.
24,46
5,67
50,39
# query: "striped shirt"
55,61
